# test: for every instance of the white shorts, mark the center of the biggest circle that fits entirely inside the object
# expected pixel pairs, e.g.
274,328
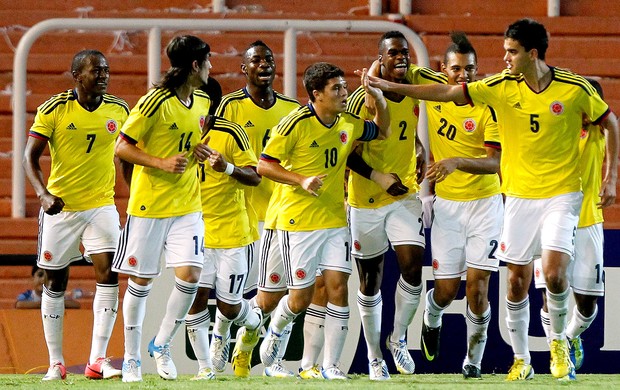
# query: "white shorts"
145,241
399,223
465,234
252,280
305,252
226,270
531,225
60,235
270,268
585,272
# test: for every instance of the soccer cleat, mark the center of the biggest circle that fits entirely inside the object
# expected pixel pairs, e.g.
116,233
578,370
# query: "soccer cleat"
220,349
520,371
471,372
132,371
165,366
56,372
430,341
334,373
270,347
101,369
242,354
402,359
277,370
576,352
311,373
560,361
378,371
204,374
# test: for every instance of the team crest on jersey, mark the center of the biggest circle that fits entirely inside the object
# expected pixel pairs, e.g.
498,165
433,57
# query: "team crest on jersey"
584,134
469,125
203,119
357,245
274,278
132,261
435,264
344,137
300,273
111,126
47,256
556,108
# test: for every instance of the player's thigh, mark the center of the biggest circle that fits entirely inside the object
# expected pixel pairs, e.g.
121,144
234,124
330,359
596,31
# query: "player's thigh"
403,224
448,235
335,252
560,222
59,239
368,232
300,256
483,232
102,231
231,267
586,270
520,240
271,276
184,241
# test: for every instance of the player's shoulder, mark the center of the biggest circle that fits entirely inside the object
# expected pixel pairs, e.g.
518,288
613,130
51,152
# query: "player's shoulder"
294,118
567,77
355,101
233,130
200,94
111,99
428,74
56,101
150,103
501,78
285,98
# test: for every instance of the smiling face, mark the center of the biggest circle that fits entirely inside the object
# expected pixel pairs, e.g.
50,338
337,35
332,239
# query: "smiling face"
333,97
394,59
259,66
93,77
460,68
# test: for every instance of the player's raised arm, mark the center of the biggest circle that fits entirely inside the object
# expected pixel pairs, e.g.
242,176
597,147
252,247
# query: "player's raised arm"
374,97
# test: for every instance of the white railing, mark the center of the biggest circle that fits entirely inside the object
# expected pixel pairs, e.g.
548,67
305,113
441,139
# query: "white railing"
155,26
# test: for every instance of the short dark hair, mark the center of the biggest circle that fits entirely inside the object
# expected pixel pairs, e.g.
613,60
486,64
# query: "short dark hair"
257,43
317,75
79,59
460,44
596,86
530,34
390,35
34,269
182,51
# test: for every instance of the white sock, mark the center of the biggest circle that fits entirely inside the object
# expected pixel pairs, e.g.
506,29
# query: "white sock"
286,336
432,312
134,310
105,307
247,317
179,302
281,316
198,333
407,300
53,314
336,329
221,327
314,335
477,326
370,308
578,323
557,306
546,324
517,321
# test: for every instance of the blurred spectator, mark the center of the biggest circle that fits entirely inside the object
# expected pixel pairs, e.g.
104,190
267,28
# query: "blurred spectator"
31,299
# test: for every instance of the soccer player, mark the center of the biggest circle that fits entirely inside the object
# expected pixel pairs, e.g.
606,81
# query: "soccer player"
306,155
468,207
81,126
258,108
586,273
376,216
228,239
162,139
539,111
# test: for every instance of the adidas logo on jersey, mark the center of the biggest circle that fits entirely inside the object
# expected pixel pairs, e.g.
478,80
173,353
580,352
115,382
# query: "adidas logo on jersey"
173,126
71,126
248,124
314,144
437,108
517,105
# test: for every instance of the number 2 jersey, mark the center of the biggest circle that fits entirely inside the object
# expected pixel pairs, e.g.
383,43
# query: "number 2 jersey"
81,145
161,125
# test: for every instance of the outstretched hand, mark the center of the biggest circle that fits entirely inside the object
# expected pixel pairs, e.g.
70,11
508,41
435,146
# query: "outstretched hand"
313,184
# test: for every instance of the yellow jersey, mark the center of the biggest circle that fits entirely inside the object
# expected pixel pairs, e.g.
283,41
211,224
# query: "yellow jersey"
161,125
81,146
591,156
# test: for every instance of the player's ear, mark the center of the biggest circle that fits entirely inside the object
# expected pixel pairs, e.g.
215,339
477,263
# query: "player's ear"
244,69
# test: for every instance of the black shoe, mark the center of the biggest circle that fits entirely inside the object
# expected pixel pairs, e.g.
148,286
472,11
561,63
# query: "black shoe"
430,342
471,372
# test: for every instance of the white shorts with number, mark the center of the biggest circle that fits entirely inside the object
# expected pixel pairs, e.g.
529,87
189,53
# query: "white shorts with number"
531,225
305,252
145,241
252,281
465,234
60,235
271,276
226,270
399,223
585,272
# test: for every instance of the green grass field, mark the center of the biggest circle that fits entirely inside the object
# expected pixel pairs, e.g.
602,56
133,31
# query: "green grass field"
225,382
